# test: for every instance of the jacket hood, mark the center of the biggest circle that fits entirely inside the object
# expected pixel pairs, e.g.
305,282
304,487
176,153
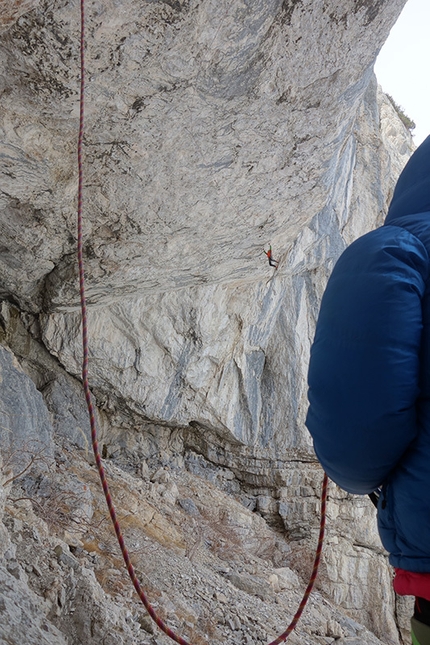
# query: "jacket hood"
412,192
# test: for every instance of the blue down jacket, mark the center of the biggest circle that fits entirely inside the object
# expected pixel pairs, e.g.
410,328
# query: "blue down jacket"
369,372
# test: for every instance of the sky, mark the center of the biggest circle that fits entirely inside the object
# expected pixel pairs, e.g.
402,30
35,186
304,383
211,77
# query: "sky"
403,65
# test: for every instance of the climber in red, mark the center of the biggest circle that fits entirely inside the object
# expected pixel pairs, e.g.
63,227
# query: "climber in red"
272,261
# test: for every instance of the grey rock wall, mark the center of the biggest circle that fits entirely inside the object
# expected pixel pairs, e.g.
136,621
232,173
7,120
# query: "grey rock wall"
233,357
213,129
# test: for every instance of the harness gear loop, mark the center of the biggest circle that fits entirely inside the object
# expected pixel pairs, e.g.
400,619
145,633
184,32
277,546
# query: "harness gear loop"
169,632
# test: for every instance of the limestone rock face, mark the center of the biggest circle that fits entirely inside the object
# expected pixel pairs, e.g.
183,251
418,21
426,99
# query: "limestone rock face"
213,129
232,357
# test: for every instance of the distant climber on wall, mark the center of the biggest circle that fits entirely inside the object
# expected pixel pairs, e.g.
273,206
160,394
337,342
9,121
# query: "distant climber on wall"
369,380
272,261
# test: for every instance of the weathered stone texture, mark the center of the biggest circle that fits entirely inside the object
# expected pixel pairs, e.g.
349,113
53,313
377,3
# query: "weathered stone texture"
213,129
224,118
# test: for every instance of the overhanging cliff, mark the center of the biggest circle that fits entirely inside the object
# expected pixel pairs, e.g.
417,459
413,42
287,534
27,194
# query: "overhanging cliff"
213,129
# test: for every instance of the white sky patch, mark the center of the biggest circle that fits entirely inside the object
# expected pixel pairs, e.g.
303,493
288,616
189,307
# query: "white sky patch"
403,65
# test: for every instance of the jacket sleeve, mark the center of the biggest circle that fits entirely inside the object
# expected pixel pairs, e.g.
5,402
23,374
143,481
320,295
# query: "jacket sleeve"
365,360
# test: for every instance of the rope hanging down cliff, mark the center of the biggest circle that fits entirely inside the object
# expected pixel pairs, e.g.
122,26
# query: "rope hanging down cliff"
90,407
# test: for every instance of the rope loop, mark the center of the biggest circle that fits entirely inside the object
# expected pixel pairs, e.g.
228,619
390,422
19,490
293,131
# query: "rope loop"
125,554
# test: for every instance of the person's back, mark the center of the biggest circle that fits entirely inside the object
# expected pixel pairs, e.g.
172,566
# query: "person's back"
369,379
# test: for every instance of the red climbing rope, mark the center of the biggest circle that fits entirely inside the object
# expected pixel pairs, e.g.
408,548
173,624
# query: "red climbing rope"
86,386
314,573
124,551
